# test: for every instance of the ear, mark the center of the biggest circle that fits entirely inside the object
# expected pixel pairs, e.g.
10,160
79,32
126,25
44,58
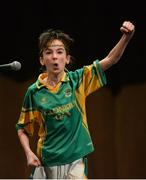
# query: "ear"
68,59
41,61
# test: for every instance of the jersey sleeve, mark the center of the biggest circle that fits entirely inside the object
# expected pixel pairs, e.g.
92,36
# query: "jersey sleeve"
91,78
94,78
27,114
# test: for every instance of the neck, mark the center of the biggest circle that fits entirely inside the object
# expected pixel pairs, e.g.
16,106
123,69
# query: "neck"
53,80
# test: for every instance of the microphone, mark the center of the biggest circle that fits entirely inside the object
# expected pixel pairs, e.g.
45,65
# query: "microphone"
15,65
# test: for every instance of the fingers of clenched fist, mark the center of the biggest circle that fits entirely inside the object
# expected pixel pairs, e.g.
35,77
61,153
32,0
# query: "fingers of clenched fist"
127,27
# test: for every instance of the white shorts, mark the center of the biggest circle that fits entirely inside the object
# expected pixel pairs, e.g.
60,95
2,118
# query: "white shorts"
74,170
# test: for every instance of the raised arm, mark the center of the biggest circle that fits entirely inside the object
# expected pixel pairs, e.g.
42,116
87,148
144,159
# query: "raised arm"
115,54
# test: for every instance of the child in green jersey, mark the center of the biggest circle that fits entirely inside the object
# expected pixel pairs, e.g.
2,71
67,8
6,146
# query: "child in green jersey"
56,101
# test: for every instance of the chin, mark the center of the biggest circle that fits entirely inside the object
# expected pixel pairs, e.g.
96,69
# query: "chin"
57,72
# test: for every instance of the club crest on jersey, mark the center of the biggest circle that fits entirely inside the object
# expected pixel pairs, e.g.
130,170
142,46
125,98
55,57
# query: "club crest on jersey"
67,92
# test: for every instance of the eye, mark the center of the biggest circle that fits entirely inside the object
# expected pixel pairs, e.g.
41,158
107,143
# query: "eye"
48,52
60,52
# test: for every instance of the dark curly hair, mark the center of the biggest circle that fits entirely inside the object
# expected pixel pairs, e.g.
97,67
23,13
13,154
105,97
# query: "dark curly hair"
50,35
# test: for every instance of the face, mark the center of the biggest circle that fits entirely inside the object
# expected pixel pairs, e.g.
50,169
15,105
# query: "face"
54,57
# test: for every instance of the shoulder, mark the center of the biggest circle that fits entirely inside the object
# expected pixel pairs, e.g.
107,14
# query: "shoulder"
32,88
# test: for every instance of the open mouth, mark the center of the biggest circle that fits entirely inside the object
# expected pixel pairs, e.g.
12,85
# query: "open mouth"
55,65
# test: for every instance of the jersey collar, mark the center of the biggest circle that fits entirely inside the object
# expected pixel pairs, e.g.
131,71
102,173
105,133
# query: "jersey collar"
40,83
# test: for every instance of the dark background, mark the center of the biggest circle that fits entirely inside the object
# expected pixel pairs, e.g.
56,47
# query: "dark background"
116,114
94,26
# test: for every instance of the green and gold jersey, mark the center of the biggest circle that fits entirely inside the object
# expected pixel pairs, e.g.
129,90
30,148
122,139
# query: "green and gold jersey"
61,113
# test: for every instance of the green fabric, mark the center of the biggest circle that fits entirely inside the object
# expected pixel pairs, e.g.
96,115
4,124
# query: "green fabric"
64,133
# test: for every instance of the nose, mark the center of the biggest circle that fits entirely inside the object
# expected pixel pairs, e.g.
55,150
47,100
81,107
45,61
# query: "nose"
54,55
